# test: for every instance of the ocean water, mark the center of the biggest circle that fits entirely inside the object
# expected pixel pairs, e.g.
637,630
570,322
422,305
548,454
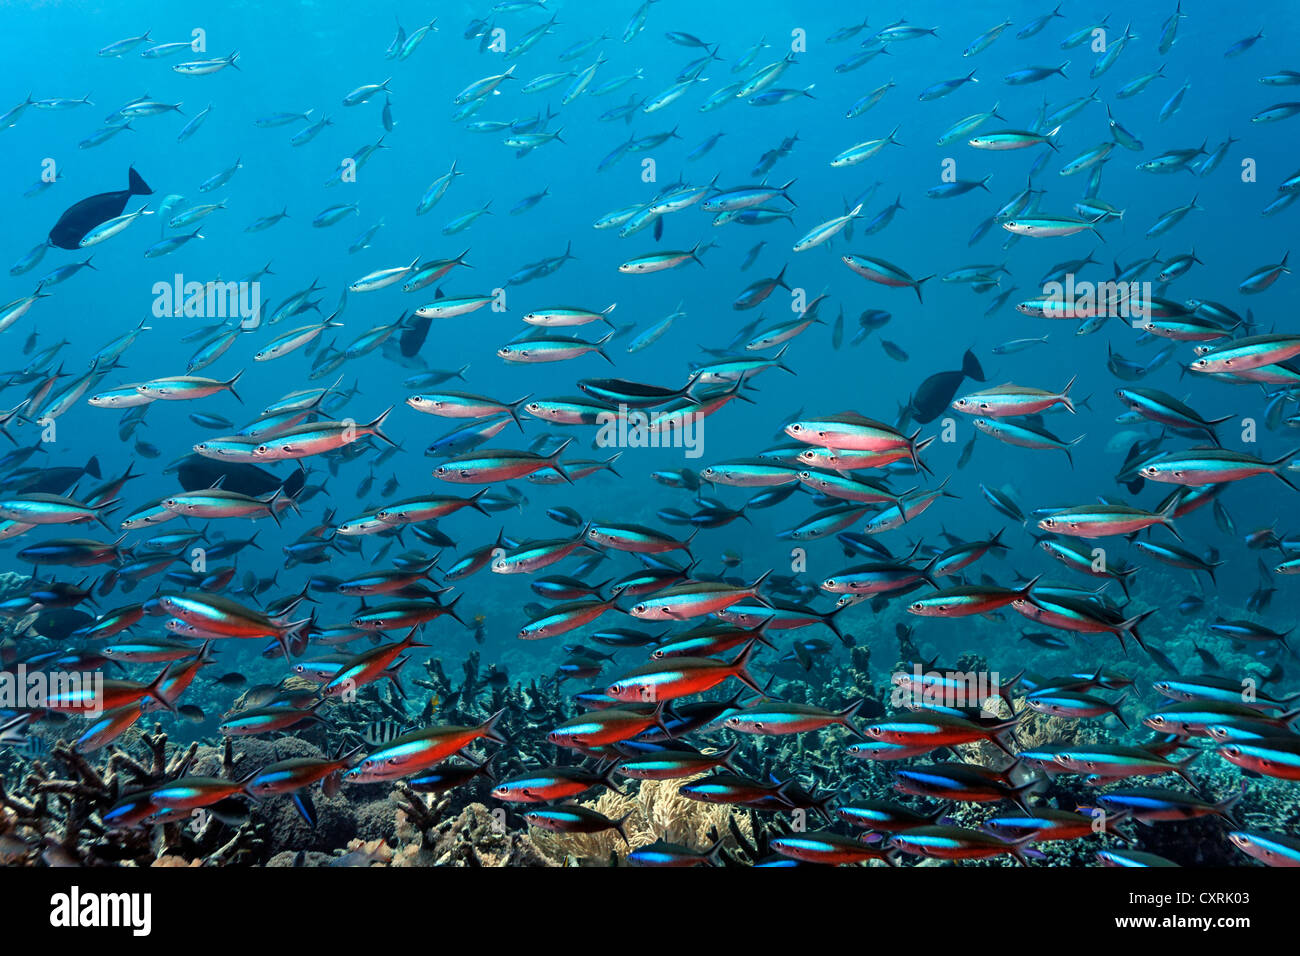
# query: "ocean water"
308,57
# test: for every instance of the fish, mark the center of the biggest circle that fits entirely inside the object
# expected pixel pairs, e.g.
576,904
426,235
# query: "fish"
81,218
936,392
922,600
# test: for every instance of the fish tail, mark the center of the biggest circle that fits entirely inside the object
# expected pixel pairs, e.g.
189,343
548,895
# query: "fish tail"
1281,461
829,620
375,428
740,667
1065,394
554,459
230,386
1166,515
917,286
620,827
914,451
271,510
489,730
1122,577
1130,626
513,409
1004,689
1181,767
154,690
1114,709
848,713
1017,795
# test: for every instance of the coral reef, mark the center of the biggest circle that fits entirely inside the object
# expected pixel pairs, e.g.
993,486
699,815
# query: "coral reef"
652,811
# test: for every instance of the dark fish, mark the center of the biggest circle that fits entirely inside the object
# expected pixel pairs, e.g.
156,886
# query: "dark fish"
412,338
58,623
935,394
84,216
196,473
966,453
53,481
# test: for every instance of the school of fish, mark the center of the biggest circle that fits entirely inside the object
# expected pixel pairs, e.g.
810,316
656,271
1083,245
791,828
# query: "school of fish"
319,491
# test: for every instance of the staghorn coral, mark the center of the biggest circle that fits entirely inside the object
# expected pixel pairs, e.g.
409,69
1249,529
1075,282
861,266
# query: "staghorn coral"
56,814
475,837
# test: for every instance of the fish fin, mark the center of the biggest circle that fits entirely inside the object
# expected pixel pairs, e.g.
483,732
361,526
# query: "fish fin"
136,186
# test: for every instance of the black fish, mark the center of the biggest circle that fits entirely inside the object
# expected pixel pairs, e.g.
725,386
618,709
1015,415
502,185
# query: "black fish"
196,473
52,481
58,623
84,216
936,392
413,336
1138,453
